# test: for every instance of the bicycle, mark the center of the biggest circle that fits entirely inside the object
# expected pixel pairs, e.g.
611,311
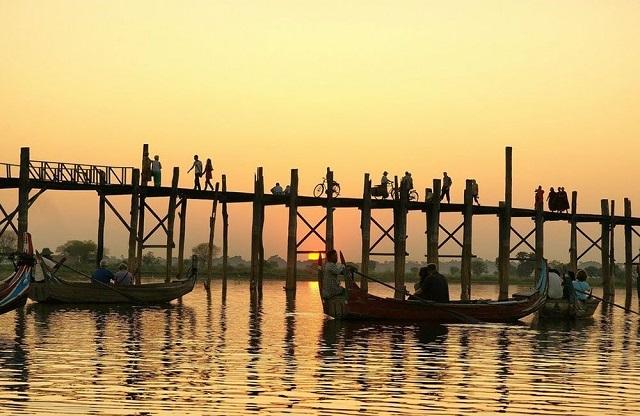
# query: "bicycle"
321,189
378,192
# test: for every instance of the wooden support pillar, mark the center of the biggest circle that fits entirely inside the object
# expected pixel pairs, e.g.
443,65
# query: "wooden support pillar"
23,197
329,221
256,232
101,218
292,233
612,256
140,245
212,233
182,232
465,268
573,243
365,229
400,208
171,217
225,236
504,228
133,223
628,254
539,234
605,247
433,223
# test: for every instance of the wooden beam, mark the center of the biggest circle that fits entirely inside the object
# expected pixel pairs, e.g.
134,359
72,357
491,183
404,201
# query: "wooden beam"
573,241
400,240
183,225
225,237
365,230
23,197
133,224
171,217
465,271
329,224
212,233
433,223
101,218
292,233
628,255
605,255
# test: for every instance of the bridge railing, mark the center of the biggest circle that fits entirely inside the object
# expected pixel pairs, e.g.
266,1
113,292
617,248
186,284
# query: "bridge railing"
71,173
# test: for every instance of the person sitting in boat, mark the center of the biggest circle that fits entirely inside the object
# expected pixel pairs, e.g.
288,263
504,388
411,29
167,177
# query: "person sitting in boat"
581,286
123,276
102,274
555,285
432,285
568,292
330,278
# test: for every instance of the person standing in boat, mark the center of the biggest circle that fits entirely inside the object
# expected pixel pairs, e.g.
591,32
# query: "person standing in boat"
102,274
331,276
432,285
123,276
555,285
581,286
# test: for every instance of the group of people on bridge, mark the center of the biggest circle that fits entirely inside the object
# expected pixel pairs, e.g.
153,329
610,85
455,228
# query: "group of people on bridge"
558,201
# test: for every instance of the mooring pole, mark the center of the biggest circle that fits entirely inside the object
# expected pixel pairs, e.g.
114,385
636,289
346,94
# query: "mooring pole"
101,219
225,236
329,221
181,235
606,266
433,223
171,217
573,248
365,229
212,233
504,248
628,254
400,208
23,197
292,232
465,268
133,223
539,235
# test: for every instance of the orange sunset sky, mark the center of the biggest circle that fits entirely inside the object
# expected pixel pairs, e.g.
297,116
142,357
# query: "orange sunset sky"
361,86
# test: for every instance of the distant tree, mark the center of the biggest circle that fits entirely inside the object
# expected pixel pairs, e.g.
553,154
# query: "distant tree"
79,251
526,263
8,243
593,271
558,265
202,250
479,267
46,252
453,270
372,265
150,259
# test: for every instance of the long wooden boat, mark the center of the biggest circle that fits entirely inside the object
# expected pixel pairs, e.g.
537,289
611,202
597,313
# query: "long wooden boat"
14,290
565,309
57,290
358,304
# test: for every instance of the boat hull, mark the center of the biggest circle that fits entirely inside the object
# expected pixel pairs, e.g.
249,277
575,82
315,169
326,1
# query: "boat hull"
14,290
564,309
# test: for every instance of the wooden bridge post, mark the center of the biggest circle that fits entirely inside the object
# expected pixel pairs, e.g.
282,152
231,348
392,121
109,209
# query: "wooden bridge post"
225,236
133,223
181,234
573,248
212,233
292,233
628,254
605,247
101,219
23,197
171,217
612,257
465,280
257,255
329,221
504,228
365,229
433,223
539,235
400,208
140,246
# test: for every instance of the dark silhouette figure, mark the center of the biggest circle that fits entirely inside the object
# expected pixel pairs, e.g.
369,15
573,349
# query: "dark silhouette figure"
432,286
475,192
552,200
208,175
446,187
539,199
197,168
563,201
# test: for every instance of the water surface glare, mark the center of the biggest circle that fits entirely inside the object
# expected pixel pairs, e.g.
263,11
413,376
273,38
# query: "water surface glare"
201,356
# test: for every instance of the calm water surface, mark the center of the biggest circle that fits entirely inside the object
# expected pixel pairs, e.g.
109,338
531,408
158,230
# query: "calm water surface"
203,356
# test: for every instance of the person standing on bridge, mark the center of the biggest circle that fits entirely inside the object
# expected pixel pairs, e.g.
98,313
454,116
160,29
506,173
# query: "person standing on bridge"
539,196
156,169
208,174
475,192
197,165
446,187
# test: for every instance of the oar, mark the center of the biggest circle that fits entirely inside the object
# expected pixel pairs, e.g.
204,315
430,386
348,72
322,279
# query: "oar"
607,302
111,287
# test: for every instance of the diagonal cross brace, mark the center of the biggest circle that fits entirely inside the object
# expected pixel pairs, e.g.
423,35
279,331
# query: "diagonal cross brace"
385,233
450,235
312,229
523,240
9,218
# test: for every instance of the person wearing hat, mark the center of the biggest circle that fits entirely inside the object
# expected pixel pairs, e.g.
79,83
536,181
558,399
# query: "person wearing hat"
384,182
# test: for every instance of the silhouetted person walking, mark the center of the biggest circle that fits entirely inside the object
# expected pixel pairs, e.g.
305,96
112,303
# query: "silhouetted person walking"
197,165
208,174
446,187
156,171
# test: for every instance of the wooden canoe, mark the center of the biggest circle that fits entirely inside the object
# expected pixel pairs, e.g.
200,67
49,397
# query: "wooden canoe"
57,290
14,290
565,309
358,304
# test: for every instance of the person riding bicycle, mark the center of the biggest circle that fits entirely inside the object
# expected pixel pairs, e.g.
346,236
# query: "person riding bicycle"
384,183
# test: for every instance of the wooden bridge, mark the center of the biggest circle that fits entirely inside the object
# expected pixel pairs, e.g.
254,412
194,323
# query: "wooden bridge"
32,178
